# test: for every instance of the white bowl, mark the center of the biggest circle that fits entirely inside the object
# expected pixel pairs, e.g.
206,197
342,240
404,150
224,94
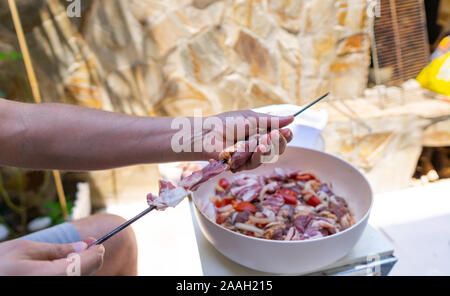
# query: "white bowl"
294,257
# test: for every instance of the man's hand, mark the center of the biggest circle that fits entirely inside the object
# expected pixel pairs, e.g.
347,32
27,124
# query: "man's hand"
20,257
242,125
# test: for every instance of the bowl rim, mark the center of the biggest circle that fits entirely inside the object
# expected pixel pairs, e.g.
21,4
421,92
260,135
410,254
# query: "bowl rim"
364,218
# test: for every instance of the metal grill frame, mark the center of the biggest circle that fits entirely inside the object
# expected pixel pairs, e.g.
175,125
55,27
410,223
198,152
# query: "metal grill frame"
401,39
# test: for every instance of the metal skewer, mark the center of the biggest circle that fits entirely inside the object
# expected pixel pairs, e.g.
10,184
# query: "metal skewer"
148,210
312,104
122,227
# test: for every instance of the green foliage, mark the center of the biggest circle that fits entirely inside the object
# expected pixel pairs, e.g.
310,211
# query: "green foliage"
55,211
12,56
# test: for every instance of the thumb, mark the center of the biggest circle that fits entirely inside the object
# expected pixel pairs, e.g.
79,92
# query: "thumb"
282,121
92,259
84,263
275,122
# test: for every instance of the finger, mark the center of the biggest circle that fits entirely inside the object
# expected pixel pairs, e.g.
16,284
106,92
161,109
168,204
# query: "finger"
262,152
270,145
92,259
46,251
278,141
283,144
240,160
84,263
287,134
256,159
247,123
275,144
243,154
273,122
89,240
265,141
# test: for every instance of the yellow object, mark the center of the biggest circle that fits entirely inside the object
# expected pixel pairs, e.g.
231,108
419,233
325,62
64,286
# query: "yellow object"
436,76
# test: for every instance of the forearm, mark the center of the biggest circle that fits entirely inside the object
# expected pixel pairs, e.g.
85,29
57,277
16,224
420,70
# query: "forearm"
56,136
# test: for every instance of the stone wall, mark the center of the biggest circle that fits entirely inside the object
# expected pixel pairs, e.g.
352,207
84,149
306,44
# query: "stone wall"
166,57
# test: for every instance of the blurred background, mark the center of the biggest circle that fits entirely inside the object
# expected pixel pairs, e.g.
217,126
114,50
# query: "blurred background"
167,57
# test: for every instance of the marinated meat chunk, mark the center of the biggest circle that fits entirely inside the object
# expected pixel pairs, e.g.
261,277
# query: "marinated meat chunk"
213,169
302,222
278,175
242,217
249,193
338,206
325,188
273,201
286,211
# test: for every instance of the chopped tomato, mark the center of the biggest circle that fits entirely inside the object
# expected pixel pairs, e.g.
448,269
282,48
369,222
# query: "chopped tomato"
260,225
220,203
220,219
290,197
313,201
249,233
224,183
245,206
305,177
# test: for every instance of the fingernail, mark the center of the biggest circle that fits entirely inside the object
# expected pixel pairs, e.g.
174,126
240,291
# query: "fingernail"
262,148
101,250
79,247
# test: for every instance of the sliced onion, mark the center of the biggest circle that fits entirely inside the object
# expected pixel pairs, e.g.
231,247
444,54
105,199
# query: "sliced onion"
323,197
259,215
308,187
267,188
219,189
261,220
250,182
301,183
290,234
268,212
273,224
225,208
304,208
251,228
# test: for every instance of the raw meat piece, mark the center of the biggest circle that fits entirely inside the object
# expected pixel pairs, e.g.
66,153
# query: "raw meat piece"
273,201
213,169
170,196
338,206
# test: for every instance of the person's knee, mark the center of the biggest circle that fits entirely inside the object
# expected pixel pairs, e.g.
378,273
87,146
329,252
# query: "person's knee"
121,249
124,244
99,225
126,236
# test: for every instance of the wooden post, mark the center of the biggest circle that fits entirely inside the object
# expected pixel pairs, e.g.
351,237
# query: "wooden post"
35,91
